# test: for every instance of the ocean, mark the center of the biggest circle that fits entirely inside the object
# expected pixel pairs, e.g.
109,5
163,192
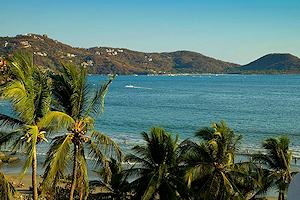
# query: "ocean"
255,106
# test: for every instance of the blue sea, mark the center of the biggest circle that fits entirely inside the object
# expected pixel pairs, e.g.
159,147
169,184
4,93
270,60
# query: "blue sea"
255,106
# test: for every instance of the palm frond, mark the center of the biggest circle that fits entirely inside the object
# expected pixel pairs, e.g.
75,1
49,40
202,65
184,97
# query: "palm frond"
99,158
62,91
7,138
19,143
265,159
7,190
152,187
144,161
205,133
180,187
197,172
79,92
10,121
70,90
22,101
96,106
31,142
42,90
21,66
106,144
57,159
55,120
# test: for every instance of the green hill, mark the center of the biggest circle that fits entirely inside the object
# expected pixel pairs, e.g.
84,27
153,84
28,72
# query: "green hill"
280,63
103,60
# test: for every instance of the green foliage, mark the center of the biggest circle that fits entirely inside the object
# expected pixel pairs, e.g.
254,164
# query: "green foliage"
114,182
72,96
157,167
275,63
57,159
277,161
211,171
7,190
30,95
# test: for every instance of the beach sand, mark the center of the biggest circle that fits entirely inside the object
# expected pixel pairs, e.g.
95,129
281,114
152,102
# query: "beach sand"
23,184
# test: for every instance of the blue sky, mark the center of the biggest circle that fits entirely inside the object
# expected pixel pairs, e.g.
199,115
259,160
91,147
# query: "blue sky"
231,30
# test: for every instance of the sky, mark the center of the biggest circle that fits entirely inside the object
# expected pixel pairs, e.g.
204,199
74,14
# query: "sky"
232,30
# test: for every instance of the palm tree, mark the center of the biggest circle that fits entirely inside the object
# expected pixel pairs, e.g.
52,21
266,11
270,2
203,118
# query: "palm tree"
6,188
72,96
277,159
30,95
211,170
157,168
114,181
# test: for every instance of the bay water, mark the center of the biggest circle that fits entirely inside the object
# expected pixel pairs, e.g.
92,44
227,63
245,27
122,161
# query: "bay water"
255,106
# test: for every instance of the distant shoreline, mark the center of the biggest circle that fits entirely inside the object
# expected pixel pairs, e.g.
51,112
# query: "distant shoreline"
49,53
197,74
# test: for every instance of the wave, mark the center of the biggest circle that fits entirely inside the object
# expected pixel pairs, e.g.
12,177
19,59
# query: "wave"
254,150
137,87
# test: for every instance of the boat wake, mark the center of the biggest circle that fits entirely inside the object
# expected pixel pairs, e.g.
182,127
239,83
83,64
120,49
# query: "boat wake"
137,87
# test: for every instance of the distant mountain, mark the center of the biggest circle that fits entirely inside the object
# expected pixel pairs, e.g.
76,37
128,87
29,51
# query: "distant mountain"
277,63
50,53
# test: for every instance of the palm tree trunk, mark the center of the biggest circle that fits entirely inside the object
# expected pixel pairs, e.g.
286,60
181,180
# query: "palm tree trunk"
74,172
34,181
81,194
281,195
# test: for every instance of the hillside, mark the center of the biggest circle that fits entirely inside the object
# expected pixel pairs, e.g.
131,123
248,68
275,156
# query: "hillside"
280,63
50,53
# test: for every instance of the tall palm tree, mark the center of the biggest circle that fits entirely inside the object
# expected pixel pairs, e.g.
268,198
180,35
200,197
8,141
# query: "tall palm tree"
210,165
156,168
277,159
30,95
73,97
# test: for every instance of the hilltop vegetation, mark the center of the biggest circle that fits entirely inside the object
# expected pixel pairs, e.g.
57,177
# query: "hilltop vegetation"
274,63
103,60
49,53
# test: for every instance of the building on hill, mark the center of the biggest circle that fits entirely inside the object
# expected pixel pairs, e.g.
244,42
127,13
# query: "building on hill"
70,55
25,44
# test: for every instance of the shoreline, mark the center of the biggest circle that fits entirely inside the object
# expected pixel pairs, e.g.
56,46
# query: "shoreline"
24,185
198,74
12,172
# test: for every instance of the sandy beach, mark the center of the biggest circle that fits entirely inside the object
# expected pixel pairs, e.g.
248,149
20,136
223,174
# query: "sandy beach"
24,185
